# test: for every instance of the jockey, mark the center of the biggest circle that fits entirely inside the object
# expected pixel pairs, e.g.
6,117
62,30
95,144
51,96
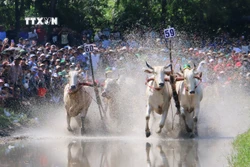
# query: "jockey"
186,66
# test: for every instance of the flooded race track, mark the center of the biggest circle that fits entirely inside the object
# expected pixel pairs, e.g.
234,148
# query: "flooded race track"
115,152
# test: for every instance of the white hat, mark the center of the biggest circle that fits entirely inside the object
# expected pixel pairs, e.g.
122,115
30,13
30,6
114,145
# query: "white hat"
190,49
55,75
211,60
6,85
26,85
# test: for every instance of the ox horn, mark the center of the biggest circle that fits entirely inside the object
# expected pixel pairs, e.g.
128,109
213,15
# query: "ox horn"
149,66
165,67
194,66
178,74
198,76
181,70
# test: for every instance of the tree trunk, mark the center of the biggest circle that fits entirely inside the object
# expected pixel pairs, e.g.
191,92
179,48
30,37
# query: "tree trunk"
28,4
67,3
17,15
53,7
52,14
163,11
21,10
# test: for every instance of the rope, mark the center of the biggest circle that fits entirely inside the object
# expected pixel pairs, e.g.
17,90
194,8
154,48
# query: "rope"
90,96
151,87
198,84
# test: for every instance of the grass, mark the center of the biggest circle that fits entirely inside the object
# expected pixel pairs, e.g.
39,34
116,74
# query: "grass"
242,147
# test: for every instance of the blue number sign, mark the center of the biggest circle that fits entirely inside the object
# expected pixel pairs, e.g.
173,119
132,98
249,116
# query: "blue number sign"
169,33
89,48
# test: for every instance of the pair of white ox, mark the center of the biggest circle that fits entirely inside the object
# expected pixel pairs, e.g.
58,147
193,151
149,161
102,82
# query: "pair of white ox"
78,97
159,94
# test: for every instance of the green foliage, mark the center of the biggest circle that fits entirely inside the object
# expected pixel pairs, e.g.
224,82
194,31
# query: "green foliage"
188,15
7,15
242,148
6,121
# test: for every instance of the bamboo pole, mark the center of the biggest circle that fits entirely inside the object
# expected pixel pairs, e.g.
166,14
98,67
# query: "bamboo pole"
98,99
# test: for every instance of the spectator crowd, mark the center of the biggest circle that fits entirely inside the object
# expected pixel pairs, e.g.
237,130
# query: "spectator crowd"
34,64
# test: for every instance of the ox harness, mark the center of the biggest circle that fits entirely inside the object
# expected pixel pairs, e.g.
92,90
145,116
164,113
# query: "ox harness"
91,84
74,91
151,87
197,77
185,85
84,84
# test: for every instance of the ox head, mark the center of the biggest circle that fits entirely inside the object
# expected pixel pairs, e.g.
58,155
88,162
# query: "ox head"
189,75
74,78
159,73
110,88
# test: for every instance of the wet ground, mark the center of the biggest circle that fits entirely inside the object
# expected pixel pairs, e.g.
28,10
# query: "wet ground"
115,152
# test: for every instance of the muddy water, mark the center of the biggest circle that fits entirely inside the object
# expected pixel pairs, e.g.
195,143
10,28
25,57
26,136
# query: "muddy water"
115,152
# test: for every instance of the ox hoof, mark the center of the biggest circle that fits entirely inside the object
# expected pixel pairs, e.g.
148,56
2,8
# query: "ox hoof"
69,129
82,131
188,129
148,145
159,130
192,135
148,134
70,145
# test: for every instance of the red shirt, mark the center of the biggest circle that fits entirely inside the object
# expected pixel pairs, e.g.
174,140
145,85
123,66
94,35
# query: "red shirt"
41,33
238,64
218,68
235,58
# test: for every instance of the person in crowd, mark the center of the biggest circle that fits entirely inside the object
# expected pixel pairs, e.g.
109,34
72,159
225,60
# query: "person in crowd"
81,57
5,94
32,35
41,35
32,60
5,44
2,33
24,33
33,81
12,33
64,37
16,74
5,72
95,55
54,36
105,42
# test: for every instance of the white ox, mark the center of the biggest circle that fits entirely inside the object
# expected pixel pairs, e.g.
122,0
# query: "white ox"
190,95
110,97
77,99
159,94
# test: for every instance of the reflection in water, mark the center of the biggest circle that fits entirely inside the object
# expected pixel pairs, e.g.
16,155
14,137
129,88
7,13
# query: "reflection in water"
162,155
80,159
113,153
181,154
